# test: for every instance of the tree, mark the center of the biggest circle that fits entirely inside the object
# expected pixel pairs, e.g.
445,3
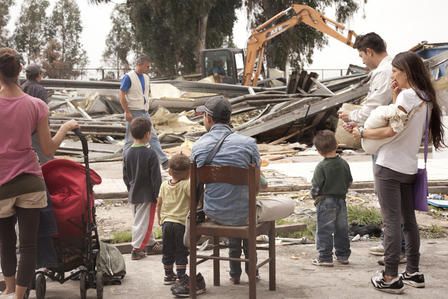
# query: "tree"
173,32
4,18
120,41
30,28
298,44
65,30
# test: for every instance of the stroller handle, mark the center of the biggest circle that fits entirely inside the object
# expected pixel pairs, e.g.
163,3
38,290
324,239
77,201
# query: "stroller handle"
83,140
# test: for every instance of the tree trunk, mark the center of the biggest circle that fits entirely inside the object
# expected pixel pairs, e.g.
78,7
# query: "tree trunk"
202,34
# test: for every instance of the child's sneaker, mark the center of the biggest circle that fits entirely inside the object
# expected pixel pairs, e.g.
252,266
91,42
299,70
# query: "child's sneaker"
416,279
183,290
154,249
137,254
181,281
169,279
395,286
317,262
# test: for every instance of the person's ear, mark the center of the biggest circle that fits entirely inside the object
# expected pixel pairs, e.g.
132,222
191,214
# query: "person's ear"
369,52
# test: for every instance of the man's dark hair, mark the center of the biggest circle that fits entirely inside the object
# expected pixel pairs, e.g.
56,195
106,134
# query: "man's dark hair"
370,41
180,166
325,141
31,77
142,59
139,127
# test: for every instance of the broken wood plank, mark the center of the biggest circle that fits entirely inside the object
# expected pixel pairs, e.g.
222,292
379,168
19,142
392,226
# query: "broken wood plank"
294,115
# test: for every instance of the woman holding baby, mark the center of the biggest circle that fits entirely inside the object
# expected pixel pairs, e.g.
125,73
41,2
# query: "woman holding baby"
396,167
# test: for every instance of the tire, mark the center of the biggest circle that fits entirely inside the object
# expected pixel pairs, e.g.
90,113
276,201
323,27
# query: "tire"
99,285
41,286
83,284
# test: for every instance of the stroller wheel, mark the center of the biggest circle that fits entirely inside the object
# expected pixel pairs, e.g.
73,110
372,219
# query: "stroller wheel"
41,286
83,284
99,285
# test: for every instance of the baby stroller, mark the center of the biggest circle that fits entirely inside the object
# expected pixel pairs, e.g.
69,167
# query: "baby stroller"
76,244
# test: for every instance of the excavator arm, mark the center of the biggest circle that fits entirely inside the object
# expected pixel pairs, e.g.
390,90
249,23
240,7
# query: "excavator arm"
297,14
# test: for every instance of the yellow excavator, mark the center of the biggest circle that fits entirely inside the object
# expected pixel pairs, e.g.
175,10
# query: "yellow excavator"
226,64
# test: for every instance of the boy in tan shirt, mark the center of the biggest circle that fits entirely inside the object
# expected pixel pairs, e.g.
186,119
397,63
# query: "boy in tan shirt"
173,206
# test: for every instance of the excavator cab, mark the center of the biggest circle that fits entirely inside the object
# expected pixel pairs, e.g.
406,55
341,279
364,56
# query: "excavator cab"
226,65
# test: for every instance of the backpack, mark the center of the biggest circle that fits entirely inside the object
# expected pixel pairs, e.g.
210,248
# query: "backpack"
111,263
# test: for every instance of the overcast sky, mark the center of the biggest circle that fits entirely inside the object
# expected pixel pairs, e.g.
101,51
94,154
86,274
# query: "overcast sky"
401,23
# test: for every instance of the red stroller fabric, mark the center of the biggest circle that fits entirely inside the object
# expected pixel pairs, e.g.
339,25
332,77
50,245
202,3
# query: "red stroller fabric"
66,183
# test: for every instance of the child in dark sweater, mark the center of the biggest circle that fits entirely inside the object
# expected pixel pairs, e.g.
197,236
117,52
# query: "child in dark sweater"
141,174
330,183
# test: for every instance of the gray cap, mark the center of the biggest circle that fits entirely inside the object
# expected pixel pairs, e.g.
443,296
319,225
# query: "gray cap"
219,108
34,69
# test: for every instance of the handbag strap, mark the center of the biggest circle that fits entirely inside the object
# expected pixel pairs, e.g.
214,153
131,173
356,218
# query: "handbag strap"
216,148
426,135
208,160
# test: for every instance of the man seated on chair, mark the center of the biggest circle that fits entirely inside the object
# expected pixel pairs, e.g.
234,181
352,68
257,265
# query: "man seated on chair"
224,203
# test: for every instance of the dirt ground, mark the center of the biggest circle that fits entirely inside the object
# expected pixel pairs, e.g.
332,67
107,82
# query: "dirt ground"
296,277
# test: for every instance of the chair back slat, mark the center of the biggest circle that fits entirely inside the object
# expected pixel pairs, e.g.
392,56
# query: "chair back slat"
222,174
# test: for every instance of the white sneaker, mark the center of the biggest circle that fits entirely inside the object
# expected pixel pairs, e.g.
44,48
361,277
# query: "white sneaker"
377,250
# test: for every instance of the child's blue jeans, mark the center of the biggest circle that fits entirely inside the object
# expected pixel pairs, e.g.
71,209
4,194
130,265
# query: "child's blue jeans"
332,229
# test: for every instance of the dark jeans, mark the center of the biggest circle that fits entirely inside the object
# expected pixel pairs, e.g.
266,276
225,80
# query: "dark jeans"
28,220
235,250
174,250
395,194
332,228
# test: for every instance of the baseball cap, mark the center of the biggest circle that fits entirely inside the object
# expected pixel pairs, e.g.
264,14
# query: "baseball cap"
34,69
219,108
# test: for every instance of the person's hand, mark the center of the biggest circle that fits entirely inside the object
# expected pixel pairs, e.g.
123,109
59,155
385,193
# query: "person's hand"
356,133
348,126
344,116
128,116
395,89
70,125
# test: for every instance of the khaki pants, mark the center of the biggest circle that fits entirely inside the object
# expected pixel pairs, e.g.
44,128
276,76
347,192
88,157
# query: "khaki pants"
267,210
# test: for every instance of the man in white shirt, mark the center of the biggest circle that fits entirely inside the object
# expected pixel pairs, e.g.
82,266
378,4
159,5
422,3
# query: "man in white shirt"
134,99
372,50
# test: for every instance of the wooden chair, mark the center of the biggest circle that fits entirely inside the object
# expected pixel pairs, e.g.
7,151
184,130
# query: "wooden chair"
235,176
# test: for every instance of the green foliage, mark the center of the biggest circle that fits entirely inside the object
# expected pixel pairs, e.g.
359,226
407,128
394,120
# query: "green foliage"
363,215
308,233
64,50
297,44
29,35
434,232
173,32
4,18
126,235
121,237
121,39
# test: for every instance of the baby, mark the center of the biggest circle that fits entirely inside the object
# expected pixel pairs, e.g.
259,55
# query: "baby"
392,115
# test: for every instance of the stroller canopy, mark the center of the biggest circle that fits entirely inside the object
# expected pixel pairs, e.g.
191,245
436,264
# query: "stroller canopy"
66,183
